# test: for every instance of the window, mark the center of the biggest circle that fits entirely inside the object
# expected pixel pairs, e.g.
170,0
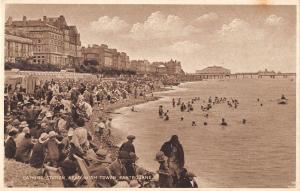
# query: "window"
38,56
39,41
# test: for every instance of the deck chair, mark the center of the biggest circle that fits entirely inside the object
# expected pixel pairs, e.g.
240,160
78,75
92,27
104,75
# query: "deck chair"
56,174
84,171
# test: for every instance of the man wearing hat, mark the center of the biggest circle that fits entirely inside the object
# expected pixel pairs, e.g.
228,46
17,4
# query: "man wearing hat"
128,146
38,152
10,145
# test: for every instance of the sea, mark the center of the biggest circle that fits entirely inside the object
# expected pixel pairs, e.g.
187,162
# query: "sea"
258,154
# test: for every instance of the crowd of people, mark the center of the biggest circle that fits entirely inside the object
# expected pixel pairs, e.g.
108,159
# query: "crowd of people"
53,127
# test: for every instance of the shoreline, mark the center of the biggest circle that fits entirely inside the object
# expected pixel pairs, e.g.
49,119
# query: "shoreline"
110,142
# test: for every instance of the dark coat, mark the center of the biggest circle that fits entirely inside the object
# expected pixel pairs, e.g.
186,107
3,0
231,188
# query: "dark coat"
167,149
38,155
23,152
185,183
127,146
10,148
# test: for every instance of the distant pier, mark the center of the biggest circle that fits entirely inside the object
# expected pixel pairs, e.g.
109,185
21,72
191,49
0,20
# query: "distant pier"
260,75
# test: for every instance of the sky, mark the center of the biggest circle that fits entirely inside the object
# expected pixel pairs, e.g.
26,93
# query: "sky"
242,38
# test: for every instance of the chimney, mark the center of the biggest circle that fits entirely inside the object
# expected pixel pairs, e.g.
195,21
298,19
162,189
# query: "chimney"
24,18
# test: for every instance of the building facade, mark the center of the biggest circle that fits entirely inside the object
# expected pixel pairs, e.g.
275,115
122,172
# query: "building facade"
54,41
17,45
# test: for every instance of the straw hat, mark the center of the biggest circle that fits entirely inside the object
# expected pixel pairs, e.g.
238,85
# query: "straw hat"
49,114
160,156
100,125
43,138
52,134
70,132
26,130
134,184
23,124
44,125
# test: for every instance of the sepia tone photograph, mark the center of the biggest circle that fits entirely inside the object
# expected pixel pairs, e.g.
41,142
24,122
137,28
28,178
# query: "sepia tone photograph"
149,95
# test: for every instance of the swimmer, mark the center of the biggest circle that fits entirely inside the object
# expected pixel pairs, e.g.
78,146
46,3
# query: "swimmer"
223,122
244,121
166,117
194,123
283,97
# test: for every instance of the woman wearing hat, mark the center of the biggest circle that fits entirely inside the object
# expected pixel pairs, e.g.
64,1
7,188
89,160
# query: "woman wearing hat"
165,177
52,148
38,152
10,145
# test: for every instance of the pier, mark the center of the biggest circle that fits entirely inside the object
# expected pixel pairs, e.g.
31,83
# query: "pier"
259,75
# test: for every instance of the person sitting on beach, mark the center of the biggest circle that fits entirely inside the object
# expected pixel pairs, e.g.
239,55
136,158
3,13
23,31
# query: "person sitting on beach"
186,180
181,119
194,123
10,144
128,146
205,123
223,122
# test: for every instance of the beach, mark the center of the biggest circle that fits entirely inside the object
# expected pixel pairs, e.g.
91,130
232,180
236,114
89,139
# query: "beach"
258,154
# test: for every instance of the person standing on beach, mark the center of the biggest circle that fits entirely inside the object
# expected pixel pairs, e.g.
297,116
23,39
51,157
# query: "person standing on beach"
160,111
174,151
128,146
165,178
